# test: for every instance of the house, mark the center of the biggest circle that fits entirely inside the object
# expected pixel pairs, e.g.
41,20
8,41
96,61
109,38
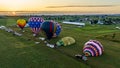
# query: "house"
100,22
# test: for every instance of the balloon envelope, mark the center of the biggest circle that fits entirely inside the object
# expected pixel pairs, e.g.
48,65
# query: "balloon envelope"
58,29
51,29
35,24
65,41
21,23
93,48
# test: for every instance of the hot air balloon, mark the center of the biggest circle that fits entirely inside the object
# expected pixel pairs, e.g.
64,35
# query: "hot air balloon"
21,23
93,48
50,28
35,24
65,41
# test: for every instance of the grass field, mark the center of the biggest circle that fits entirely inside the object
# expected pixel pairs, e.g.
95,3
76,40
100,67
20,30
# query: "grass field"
19,52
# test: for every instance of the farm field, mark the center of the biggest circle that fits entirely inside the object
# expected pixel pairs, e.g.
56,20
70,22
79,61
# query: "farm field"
22,52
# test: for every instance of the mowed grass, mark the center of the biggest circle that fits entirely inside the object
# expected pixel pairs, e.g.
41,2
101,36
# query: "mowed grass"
16,52
22,52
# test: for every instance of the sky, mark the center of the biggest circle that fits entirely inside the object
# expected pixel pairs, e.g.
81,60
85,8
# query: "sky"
82,6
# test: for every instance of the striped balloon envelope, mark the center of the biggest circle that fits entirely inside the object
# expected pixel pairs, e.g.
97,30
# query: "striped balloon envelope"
93,48
35,24
51,28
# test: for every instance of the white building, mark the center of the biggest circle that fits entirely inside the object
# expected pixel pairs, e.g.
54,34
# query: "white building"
74,23
100,22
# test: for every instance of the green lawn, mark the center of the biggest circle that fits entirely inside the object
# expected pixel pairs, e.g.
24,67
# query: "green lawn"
19,52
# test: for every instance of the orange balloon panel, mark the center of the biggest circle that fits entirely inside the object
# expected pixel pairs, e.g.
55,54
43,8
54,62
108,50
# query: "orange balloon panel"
21,23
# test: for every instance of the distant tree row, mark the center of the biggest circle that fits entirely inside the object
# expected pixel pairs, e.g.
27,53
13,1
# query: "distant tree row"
107,20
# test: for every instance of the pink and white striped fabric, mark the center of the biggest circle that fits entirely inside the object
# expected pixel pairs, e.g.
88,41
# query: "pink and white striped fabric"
93,48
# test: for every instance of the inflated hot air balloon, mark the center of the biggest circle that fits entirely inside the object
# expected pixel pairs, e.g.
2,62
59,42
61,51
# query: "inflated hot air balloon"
93,48
21,23
50,28
35,24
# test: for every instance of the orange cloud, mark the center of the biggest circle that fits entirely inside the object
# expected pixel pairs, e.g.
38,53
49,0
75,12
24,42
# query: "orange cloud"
81,6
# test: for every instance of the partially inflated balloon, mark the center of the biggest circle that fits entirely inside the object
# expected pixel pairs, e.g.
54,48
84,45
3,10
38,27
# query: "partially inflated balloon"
35,24
51,29
93,48
65,41
21,23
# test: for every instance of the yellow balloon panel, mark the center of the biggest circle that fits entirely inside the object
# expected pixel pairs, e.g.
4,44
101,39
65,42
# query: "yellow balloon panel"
21,23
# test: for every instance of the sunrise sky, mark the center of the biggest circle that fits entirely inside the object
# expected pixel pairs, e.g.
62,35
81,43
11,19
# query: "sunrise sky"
83,6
